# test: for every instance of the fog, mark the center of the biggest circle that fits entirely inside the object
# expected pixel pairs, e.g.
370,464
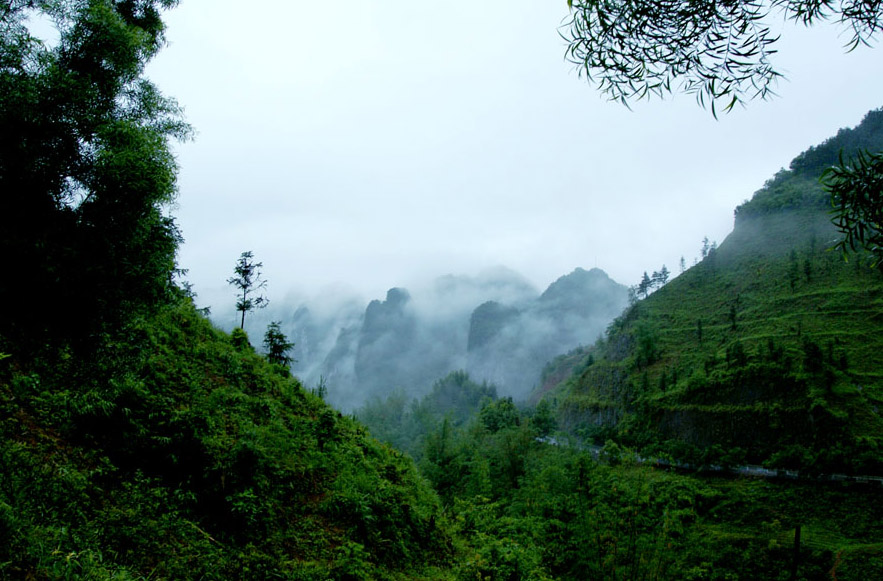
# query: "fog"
495,325
377,144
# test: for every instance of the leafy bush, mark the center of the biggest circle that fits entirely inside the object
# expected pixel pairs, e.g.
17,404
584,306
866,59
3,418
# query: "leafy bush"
196,459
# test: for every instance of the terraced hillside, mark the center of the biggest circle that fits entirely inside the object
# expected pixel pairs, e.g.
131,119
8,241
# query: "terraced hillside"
769,350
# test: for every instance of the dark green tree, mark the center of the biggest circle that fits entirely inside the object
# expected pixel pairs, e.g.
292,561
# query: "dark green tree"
660,277
645,383
443,461
277,345
326,428
736,355
646,344
239,340
85,167
543,420
813,356
721,52
857,198
499,414
645,285
793,269
248,281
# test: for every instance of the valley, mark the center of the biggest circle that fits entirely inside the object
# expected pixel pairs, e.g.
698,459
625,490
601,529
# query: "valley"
721,424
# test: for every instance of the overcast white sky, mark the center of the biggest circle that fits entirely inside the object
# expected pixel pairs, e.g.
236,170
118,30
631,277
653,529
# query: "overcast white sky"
379,142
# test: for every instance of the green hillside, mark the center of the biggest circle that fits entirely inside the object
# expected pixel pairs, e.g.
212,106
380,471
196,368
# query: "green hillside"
179,455
770,350
138,442
527,502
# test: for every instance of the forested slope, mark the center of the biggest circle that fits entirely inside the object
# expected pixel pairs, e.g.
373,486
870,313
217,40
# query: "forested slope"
182,454
528,502
137,441
769,350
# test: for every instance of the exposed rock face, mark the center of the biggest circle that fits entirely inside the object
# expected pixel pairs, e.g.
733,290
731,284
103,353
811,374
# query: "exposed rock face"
510,345
496,326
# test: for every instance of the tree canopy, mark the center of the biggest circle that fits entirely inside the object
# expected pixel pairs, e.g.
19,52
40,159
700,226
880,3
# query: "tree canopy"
277,345
85,166
856,190
720,51
248,281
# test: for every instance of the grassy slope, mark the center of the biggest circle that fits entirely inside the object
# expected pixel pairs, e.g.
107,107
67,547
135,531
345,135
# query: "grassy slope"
190,458
794,379
789,367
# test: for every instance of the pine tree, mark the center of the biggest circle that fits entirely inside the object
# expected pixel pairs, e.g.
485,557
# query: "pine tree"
645,285
661,277
248,280
277,345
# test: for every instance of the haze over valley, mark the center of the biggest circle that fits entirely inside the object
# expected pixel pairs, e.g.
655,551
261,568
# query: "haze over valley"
496,326
627,399
390,143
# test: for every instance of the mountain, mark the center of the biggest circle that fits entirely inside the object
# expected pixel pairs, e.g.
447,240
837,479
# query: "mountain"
388,345
496,326
509,345
175,451
770,350
408,340
632,464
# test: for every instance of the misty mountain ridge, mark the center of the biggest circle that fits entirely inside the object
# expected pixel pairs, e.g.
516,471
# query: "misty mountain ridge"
510,345
496,326
768,351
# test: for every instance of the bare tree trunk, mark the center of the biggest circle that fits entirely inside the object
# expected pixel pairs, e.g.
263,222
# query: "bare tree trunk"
796,560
